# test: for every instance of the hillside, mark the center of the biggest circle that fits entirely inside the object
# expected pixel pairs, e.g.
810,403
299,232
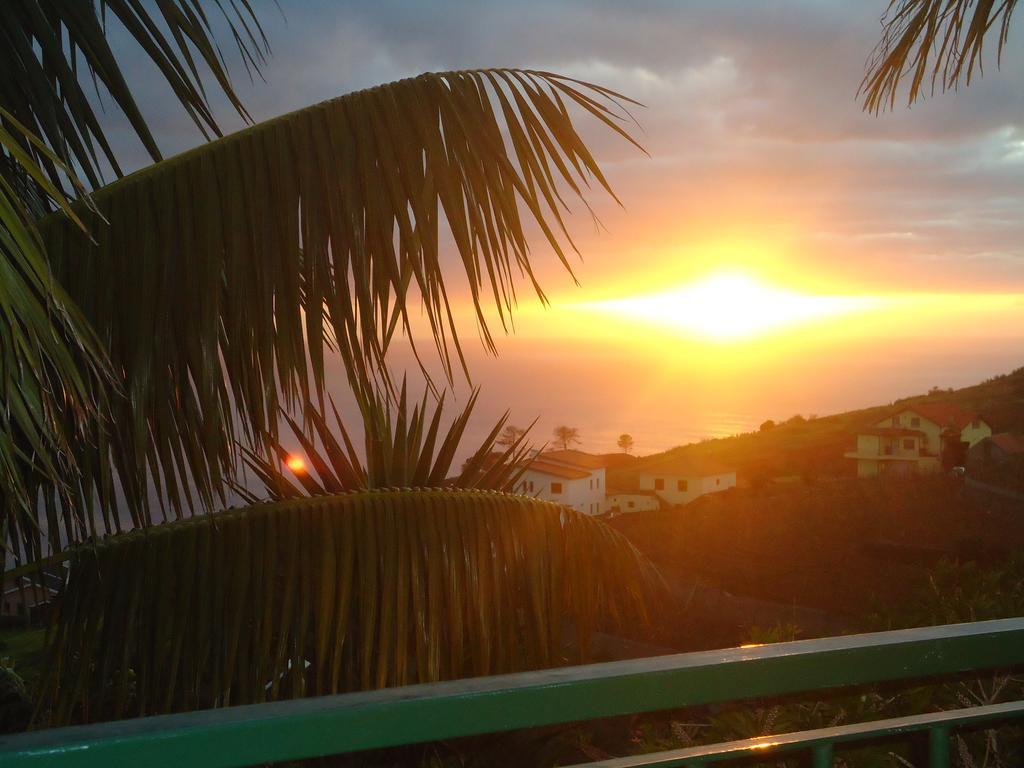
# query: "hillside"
839,546
814,447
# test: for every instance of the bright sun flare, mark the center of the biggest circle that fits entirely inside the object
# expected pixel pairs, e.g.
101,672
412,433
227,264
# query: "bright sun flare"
295,463
731,306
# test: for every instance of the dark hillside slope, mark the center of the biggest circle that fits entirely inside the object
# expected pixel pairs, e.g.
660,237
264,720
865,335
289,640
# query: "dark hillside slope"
840,546
814,448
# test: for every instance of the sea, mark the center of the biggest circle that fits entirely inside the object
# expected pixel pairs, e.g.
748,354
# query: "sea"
674,393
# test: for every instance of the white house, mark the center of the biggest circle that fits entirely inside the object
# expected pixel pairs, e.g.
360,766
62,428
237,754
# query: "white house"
23,594
573,478
680,480
917,439
620,502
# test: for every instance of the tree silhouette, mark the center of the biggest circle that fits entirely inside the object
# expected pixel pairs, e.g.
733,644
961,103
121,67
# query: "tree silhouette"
566,436
510,435
625,442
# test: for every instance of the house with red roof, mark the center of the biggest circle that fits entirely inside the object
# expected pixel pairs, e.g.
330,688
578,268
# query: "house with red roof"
918,439
679,480
996,451
570,477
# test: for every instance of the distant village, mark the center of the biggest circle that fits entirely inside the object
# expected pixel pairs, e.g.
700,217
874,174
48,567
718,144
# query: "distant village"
928,438
580,480
920,439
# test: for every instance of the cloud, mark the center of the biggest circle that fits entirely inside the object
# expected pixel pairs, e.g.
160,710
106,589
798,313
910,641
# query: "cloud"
751,120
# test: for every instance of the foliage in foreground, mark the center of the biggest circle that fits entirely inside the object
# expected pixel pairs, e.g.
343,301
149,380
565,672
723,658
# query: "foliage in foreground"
218,281
934,43
404,446
328,594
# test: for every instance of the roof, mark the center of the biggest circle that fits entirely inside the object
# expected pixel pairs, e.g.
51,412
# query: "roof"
615,460
575,458
684,466
943,414
891,432
1008,443
556,470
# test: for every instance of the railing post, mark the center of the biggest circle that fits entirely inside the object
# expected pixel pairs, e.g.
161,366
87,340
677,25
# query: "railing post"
938,748
823,756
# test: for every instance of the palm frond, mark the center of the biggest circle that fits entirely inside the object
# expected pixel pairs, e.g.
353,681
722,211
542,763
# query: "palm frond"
336,593
46,45
225,272
936,43
405,446
53,371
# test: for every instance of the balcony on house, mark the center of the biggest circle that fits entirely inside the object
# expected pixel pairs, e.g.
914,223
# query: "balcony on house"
348,723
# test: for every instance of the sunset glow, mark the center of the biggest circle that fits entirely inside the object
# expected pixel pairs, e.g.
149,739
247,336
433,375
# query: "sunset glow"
295,463
727,306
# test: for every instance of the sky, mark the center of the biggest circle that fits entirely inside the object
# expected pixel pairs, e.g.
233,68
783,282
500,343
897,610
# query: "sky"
761,167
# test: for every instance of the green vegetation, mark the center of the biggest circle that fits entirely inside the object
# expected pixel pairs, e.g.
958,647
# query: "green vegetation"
322,595
157,327
22,651
841,548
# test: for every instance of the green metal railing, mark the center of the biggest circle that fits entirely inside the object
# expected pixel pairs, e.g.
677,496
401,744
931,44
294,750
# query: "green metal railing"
289,730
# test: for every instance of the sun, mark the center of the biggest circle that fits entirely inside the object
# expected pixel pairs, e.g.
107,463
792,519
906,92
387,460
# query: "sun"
295,463
729,306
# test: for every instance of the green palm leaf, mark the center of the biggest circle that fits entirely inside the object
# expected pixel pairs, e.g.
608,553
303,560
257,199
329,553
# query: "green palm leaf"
55,381
935,43
225,272
53,372
45,45
336,593
404,447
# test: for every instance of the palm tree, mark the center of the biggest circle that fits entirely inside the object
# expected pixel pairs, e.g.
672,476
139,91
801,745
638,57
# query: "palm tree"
341,582
625,442
163,321
566,436
340,205
938,43
57,377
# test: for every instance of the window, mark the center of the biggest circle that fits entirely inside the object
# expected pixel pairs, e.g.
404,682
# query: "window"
718,481
682,485
915,422
659,484
630,504
556,487
896,420
976,424
597,481
908,443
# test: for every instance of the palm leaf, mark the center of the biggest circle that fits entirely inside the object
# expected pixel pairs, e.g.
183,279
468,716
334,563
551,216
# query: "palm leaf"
225,272
55,381
935,43
45,46
53,372
404,448
337,593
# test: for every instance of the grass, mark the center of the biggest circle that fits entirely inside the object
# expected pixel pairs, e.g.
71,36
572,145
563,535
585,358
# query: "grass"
22,649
